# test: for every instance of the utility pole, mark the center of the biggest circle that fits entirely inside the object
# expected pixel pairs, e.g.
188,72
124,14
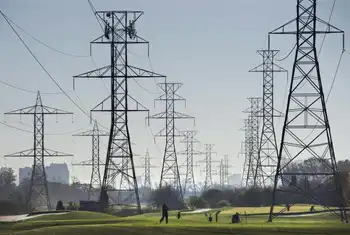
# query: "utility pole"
95,179
208,183
119,33
38,191
170,170
306,131
268,150
189,140
253,142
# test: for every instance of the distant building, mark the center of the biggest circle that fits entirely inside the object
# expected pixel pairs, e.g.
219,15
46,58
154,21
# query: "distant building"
24,173
235,180
57,173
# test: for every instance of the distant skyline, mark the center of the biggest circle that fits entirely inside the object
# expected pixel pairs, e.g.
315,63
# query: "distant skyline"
209,46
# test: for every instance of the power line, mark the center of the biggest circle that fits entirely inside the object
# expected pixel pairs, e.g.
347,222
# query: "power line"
329,20
16,128
335,76
137,82
52,48
31,132
36,59
29,91
44,44
289,53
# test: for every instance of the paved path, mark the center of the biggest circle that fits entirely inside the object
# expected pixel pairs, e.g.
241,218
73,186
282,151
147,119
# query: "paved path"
197,211
16,218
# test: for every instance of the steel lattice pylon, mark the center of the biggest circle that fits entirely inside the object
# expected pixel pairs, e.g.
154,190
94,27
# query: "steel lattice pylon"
268,150
248,167
226,168
254,175
95,162
38,191
223,172
208,183
306,132
189,140
119,32
170,169
147,165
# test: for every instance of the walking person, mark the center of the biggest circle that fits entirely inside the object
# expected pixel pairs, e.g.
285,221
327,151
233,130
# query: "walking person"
164,213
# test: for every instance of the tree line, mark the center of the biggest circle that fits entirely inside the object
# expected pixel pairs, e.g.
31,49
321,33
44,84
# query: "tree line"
12,196
322,188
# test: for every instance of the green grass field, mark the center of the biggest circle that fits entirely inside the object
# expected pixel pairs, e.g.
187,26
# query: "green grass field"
86,223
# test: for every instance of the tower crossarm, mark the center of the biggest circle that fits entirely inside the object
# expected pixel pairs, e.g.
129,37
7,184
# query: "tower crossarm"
92,133
87,163
31,110
133,106
287,28
31,153
177,115
132,72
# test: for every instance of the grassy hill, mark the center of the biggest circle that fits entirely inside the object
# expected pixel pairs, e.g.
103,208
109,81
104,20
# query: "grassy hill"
74,223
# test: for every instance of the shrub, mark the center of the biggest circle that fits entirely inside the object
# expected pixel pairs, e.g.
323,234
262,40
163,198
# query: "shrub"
223,203
72,206
59,206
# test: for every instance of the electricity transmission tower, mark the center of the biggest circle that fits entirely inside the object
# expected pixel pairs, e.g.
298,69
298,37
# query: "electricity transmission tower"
95,179
306,132
189,140
248,167
119,33
268,150
38,194
147,183
255,176
208,183
147,165
223,172
124,183
170,170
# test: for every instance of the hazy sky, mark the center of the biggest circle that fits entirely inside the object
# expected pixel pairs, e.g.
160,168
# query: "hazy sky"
209,46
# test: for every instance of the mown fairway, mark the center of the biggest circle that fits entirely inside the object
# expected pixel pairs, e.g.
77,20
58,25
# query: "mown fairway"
74,223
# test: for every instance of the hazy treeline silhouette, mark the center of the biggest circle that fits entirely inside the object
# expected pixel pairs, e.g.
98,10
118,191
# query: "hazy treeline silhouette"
12,196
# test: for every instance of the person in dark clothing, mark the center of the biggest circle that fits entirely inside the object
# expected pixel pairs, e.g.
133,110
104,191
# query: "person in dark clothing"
210,218
312,209
236,218
164,214
288,207
179,215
